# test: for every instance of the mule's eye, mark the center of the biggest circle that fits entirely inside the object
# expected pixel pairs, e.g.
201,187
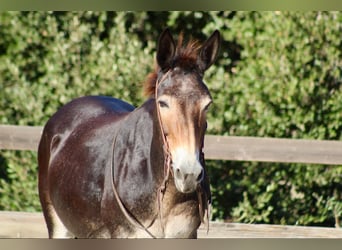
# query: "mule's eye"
206,107
163,104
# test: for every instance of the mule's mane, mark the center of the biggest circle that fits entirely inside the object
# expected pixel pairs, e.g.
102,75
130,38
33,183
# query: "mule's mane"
185,57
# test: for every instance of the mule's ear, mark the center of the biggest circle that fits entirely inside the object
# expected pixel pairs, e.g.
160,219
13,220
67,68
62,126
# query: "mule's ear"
166,50
209,51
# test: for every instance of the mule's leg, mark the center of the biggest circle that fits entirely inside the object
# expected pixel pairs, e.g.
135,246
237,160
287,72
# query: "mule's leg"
55,226
181,226
56,229
183,220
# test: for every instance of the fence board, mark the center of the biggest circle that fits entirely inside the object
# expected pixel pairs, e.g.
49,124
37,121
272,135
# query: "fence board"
22,225
239,230
273,150
32,225
216,147
19,137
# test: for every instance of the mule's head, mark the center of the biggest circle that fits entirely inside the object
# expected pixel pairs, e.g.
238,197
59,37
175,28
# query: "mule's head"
183,100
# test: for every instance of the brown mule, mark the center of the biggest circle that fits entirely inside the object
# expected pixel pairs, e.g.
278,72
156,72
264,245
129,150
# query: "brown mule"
109,170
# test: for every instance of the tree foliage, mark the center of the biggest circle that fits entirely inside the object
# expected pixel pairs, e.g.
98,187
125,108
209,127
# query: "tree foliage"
279,75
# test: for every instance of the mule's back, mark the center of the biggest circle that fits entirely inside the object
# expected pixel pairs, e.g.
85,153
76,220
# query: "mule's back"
72,130
83,109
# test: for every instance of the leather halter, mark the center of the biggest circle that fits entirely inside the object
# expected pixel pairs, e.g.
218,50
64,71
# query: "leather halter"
167,154
161,190
203,212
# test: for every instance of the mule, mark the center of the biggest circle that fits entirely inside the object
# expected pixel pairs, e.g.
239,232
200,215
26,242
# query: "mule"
109,170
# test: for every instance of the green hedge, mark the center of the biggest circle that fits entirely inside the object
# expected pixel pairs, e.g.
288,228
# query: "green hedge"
286,84
279,75
46,60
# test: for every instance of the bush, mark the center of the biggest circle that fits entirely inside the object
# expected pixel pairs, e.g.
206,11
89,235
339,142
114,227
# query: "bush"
286,84
46,60
279,75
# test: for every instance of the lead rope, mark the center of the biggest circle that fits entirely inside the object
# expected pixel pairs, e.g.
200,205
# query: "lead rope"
167,157
206,213
129,216
161,190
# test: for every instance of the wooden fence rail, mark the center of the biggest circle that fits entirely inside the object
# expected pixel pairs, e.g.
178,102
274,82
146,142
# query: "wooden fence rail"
216,147
31,225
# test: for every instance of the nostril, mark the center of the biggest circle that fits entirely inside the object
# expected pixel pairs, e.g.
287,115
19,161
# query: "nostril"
178,173
200,176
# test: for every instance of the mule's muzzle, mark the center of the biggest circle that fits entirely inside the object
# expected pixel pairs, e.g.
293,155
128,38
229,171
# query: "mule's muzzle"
187,182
